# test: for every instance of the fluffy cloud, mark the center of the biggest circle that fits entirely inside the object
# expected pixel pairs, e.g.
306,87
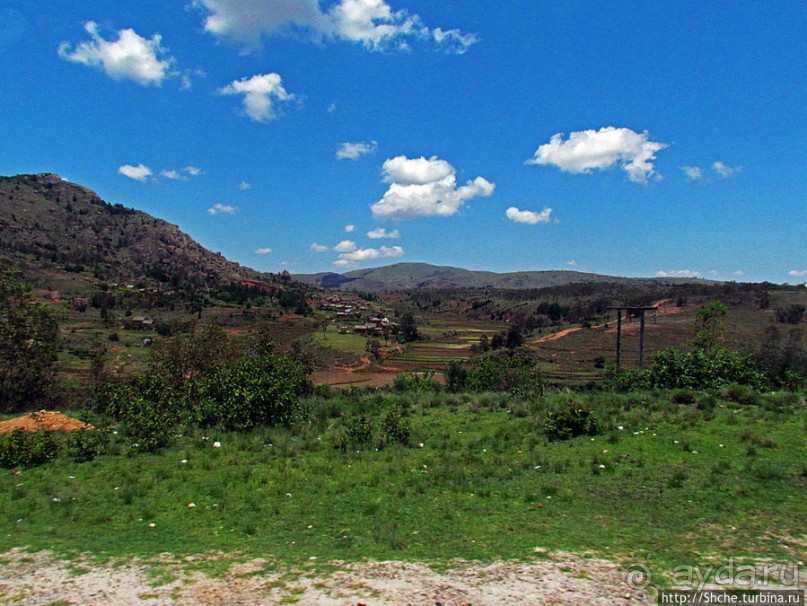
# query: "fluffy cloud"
345,246
724,170
693,173
130,57
263,251
353,151
797,273
529,216
369,254
423,187
243,186
141,172
261,93
349,228
589,150
381,232
571,262
318,247
174,175
454,41
371,23
181,175
222,209
679,273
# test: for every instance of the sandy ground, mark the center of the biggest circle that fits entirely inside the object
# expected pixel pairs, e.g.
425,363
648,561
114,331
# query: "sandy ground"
554,579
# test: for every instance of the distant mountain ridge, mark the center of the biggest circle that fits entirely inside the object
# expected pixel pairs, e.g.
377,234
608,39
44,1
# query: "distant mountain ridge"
405,276
47,223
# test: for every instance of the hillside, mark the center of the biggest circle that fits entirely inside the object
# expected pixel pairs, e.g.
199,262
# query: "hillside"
51,225
404,276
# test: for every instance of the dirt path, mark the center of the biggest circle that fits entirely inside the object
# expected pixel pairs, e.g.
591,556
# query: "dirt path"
558,578
662,309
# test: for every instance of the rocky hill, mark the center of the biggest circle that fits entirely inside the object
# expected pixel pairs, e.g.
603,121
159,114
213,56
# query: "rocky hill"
404,276
48,224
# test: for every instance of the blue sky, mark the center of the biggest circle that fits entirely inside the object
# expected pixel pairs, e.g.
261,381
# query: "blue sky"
628,138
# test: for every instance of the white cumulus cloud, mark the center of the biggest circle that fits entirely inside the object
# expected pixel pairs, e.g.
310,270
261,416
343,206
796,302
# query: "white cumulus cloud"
141,172
318,247
222,209
349,228
263,251
693,173
353,151
679,273
528,216
345,246
421,187
174,175
724,170
372,23
243,186
261,94
797,273
369,254
129,57
589,150
181,175
378,234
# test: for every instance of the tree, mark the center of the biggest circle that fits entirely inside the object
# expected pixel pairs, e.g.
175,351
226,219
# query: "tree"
409,328
29,335
514,337
709,326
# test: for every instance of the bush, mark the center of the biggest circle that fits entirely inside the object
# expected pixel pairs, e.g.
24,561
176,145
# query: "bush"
260,390
148,410
456,377
87,444
27,449
698,369
742,394
513,371
395,428
570,421
416,382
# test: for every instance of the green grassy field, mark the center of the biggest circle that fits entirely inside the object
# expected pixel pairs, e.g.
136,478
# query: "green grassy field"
663,483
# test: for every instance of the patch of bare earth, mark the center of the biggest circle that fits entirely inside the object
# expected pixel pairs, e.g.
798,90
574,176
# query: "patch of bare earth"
561,578
43,420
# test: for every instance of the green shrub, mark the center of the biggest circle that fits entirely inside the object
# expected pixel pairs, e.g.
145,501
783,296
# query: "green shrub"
513,371
360,431
456,377
570,421
253,391
395,428
416,382
742,394
27,449
683,397
87,444
147,409
698,369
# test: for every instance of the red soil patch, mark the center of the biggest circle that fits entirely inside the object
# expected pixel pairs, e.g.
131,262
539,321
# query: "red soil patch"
43,421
